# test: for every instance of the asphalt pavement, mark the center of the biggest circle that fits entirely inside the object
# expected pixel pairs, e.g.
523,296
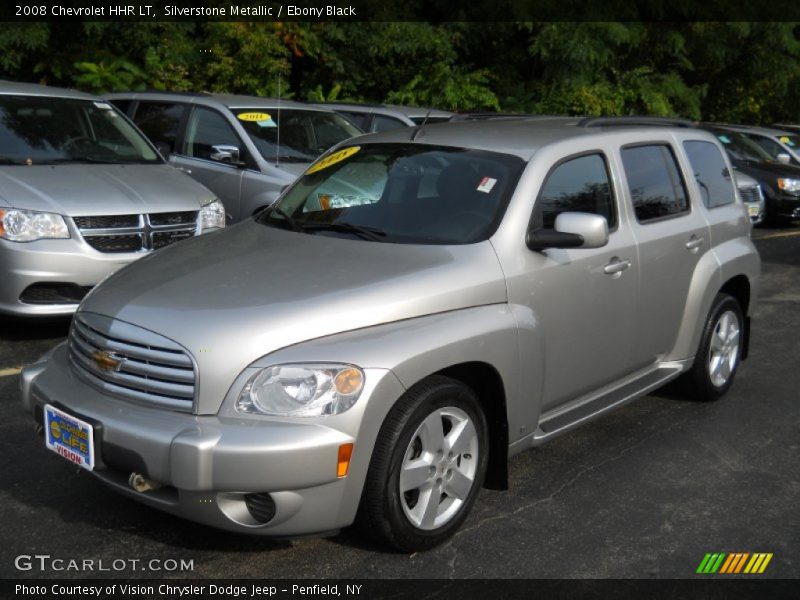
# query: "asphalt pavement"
646,491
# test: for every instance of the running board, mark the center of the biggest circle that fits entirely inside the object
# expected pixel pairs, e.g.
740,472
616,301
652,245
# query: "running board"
557,422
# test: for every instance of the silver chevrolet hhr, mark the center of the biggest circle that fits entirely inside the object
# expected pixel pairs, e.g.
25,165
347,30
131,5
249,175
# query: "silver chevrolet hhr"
82,193
418,307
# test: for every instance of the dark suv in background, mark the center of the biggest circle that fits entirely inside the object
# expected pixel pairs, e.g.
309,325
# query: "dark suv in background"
780,181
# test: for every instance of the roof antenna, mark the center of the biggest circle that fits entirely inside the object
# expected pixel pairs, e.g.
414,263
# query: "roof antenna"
278,147
418,128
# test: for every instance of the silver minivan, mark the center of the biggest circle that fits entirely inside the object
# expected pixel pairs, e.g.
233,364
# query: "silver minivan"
245,149
82,193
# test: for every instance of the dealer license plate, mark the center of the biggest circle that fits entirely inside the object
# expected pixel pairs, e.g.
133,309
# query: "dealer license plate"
69,437
753,210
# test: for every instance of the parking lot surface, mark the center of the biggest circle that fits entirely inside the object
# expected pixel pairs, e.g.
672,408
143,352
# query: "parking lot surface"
646,491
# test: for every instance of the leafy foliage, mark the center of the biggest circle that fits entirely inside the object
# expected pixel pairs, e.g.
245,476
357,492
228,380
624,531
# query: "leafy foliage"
737,72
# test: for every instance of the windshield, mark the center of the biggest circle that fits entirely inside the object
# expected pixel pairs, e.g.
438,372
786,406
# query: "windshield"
742,148
304,134
46,130
401,193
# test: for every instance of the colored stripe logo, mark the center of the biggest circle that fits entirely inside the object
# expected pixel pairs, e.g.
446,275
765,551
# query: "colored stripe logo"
734,563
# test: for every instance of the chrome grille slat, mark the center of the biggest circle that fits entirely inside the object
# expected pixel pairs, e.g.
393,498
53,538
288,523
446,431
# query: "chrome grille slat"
749,194
152,369
146,369
136,233
141,384
164,357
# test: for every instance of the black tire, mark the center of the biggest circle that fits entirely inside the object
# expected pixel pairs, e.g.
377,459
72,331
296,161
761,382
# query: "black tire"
700,381
383,510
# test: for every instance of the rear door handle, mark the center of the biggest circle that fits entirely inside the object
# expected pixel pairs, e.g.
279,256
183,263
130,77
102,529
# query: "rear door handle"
694,243
616,266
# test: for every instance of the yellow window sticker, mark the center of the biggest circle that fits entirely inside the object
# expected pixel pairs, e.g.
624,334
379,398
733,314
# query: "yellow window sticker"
785,139
253,116
333,159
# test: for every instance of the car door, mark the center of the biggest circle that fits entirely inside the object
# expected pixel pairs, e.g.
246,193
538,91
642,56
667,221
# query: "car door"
671,236
204,155
584,299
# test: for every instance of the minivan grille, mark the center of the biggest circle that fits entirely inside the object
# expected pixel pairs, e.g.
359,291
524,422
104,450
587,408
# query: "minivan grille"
131,363
136,233
750,194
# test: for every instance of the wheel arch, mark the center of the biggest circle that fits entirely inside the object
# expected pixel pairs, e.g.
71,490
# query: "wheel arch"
483,379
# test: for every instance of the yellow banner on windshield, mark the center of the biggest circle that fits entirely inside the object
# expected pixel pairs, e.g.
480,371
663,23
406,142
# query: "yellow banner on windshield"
254,116
334,158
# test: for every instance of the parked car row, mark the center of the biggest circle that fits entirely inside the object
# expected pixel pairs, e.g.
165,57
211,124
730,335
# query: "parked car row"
412,311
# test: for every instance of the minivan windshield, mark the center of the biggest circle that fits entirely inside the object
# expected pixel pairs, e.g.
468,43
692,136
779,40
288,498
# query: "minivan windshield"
37,130
400,193
294,135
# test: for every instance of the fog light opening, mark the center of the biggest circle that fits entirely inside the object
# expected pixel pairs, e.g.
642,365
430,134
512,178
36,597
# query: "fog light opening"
260,506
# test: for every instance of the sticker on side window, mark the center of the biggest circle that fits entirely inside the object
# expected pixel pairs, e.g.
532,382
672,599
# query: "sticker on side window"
486,185
103,105
334,158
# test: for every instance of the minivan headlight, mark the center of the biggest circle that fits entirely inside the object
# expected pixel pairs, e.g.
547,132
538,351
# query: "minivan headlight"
28,225
302,390
212,216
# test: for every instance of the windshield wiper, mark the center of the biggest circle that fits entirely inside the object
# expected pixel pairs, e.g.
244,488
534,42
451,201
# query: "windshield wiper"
80,160
295,159
364,232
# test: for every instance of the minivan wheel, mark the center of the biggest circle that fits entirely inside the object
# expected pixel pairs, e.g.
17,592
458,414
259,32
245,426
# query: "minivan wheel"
720,350
427,467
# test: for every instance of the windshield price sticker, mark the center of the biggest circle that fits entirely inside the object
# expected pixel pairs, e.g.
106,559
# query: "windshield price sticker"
486,185
333,159
254,116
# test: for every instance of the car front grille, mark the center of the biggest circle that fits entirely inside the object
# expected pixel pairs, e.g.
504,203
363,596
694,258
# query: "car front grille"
136,233
131,363
750,194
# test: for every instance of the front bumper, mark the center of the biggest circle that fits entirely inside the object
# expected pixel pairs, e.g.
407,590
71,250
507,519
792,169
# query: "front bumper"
784,206
69,261
208,464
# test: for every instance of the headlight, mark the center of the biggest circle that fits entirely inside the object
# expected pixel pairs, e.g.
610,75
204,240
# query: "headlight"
28,225
302,390
789,185
212,216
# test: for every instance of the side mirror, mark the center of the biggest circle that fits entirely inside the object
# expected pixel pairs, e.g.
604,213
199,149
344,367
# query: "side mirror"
225,154
783,158
572,230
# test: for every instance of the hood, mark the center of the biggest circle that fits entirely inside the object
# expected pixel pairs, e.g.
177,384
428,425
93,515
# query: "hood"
233,296
87,190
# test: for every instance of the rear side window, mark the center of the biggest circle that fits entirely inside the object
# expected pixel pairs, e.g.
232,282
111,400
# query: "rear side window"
655,182
160,122
361,120
577,185
712,175
382,123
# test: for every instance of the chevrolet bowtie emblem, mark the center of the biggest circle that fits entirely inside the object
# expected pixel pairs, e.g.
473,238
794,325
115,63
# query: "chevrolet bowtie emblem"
106,361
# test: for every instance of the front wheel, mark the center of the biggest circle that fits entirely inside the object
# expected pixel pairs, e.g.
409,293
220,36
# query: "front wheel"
720,350
427,468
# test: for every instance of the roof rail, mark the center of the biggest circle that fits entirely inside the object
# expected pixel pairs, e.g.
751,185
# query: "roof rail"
634,121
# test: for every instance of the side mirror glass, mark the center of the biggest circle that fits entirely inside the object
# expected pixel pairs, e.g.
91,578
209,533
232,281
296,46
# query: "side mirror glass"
572,230
783,158
225,154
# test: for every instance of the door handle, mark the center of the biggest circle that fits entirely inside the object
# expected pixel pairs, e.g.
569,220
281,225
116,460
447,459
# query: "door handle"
616,266
694,243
